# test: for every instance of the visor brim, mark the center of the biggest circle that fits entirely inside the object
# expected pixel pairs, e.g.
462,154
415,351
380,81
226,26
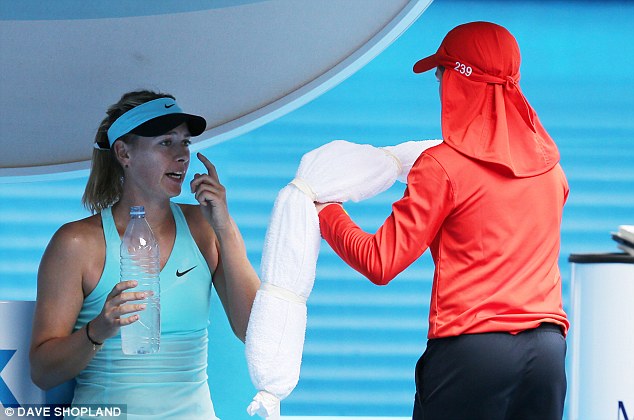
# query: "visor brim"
163,124
426,64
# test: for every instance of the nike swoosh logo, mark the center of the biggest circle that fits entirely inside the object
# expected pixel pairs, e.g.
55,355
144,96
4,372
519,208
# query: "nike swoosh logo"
169,106
181,274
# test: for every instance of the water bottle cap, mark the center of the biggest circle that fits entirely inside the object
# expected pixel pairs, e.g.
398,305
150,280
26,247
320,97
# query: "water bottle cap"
137,211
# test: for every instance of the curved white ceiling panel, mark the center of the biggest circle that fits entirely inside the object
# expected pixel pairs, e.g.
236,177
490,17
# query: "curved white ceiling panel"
238,63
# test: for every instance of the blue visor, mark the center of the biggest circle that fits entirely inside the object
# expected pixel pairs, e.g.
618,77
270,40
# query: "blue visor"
154,118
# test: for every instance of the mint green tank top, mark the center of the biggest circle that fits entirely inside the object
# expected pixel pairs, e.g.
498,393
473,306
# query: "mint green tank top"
171,384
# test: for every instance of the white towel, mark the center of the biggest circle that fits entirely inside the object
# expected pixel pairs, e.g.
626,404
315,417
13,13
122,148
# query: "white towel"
338,171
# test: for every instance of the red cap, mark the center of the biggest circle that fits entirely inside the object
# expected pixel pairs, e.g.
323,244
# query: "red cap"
484,113
477,49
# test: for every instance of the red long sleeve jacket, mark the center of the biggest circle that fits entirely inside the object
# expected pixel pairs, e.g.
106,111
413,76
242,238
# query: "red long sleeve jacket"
494,238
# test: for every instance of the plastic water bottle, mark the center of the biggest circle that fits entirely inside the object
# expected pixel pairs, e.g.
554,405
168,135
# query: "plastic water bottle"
140,261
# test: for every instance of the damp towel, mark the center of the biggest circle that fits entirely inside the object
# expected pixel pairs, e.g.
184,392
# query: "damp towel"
337,171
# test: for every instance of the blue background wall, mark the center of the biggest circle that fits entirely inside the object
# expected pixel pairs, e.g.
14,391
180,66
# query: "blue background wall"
363,341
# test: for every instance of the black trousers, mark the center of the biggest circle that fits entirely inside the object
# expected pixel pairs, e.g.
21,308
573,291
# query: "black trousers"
493,376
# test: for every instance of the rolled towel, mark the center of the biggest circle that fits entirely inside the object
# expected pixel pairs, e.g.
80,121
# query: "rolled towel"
343,171
407,153
338,171
265,405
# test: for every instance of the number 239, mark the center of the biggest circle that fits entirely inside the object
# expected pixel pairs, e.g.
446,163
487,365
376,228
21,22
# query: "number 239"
462,69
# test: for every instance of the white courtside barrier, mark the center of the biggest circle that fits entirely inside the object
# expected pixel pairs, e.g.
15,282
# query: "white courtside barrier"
16,386
602,337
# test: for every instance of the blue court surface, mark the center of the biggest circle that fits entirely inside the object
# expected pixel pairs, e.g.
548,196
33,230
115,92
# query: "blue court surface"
363,341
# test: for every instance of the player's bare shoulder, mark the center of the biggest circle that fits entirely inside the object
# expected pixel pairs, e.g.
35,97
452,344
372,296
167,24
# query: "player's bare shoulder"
80,236
201,231
75,255
194,216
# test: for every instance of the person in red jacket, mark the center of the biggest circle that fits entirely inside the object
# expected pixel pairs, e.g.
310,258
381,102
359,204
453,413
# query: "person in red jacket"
488,203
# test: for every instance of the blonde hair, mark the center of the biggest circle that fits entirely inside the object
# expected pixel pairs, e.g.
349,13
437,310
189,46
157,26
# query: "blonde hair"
105,182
